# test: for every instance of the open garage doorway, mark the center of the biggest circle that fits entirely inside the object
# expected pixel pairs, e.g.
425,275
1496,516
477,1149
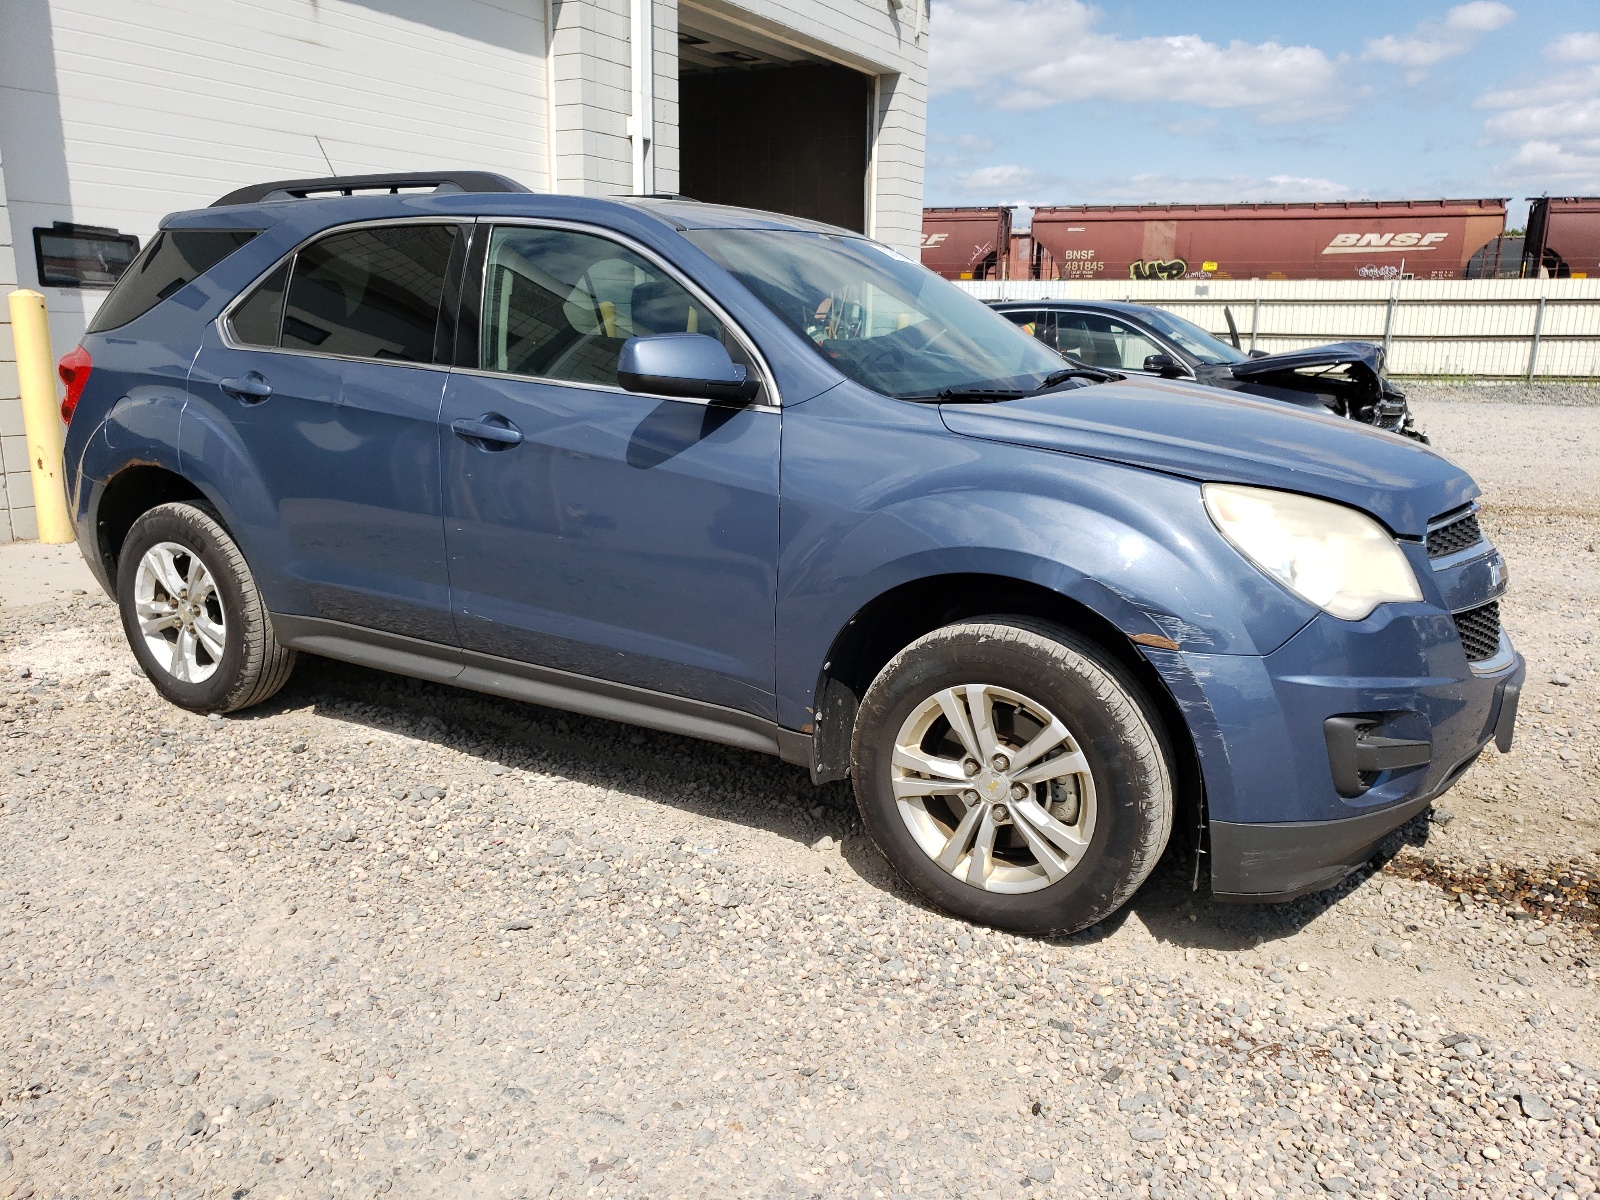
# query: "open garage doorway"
764,125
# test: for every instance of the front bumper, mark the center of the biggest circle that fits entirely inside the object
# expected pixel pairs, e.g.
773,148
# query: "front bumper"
1282,816
1270,862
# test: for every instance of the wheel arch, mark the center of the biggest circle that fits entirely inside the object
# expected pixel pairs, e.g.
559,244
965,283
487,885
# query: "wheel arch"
126,497
894,619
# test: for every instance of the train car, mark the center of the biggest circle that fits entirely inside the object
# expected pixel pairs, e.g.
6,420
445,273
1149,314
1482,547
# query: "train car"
1563,237
1499,258
1386,239
967,243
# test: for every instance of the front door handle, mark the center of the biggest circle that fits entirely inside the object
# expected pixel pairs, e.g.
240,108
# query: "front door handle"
251,388
491,428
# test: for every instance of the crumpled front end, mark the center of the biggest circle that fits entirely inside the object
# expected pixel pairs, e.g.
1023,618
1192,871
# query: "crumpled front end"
1347,379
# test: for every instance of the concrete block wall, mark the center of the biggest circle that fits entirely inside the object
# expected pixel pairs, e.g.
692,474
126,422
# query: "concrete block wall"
16,485
593,156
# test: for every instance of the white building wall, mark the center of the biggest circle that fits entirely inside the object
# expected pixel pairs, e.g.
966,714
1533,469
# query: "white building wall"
116,112
16,485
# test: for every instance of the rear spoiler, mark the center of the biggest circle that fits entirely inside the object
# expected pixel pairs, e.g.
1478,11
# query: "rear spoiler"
349,185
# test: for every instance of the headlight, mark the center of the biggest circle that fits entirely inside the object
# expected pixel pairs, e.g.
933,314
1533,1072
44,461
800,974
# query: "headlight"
1339,559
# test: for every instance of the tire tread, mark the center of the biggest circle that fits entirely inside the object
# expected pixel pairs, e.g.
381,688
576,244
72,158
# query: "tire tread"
267,665
1112,685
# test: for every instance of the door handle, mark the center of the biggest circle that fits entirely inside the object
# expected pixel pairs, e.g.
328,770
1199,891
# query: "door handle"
491,428
251,388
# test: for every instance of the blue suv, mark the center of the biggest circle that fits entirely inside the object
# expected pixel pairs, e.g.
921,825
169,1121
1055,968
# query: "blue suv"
772,484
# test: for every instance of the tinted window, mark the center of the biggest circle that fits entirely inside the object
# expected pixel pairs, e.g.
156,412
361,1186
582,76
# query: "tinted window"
171,260
559,305
369,293
256,321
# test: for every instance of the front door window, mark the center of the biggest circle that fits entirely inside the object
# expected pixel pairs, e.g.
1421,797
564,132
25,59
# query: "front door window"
1100,341
559,305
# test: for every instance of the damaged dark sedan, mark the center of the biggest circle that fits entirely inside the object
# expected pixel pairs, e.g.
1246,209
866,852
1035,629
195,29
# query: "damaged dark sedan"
1346,378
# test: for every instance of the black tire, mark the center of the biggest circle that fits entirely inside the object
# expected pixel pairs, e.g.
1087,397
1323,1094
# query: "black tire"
1113,723
253,666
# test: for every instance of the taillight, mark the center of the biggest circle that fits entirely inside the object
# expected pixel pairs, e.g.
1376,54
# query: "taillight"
74,370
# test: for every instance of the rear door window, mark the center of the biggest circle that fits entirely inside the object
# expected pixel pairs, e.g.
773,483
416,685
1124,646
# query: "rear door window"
258,320
173,259
373,292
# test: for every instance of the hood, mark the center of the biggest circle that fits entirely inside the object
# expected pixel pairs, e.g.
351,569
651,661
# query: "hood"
1220,436
1367,354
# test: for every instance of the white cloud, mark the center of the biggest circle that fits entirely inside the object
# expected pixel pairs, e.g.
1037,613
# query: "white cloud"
1575,47
1554,122
1431,42
1005,180
1029,54
1220,189
1012,184
1480,16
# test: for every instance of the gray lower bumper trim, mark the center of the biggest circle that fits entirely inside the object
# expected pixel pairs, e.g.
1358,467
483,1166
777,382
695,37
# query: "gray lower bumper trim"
1263,863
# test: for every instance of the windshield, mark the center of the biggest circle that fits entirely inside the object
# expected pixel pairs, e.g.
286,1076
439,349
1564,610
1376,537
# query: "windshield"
1192,338
881,319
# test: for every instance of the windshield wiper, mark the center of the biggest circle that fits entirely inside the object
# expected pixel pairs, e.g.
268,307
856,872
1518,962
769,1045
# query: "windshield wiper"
982,395
967,395
1066,373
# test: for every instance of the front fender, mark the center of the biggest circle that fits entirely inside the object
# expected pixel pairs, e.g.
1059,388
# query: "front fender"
878,493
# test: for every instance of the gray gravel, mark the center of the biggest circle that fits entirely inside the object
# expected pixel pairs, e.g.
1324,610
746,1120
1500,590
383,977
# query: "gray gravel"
1567,395
384,937
381,937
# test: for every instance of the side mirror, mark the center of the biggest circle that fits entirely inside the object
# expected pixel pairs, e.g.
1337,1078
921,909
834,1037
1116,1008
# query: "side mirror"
1164,365
691,365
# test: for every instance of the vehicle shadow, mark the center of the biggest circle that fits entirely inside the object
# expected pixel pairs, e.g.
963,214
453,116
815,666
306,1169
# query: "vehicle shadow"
1179,916
728,784
709,780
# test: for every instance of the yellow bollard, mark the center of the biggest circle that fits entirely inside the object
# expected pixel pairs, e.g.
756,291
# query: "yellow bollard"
41,414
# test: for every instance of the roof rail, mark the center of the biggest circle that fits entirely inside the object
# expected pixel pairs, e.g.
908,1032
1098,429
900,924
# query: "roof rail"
350,185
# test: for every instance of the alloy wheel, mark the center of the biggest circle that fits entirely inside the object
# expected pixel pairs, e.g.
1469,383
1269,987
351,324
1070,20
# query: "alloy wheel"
994,788
180,612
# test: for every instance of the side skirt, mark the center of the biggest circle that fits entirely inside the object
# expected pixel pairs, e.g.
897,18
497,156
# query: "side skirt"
541,685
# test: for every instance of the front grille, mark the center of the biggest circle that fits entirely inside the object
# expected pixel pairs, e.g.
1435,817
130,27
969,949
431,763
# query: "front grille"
1480,631
1456,535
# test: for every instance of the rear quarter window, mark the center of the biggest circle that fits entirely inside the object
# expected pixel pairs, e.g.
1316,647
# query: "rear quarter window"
173,259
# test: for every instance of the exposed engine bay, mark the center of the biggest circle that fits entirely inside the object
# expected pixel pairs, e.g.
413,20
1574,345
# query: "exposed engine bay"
1346,378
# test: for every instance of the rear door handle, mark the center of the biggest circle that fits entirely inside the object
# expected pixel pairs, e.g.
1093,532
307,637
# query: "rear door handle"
252,387
491,428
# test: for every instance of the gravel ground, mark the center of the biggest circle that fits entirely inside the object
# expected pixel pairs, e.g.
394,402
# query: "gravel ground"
1540,471
382,937
1498,392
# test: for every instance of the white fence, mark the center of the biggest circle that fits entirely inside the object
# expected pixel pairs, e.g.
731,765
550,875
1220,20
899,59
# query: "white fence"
1494,328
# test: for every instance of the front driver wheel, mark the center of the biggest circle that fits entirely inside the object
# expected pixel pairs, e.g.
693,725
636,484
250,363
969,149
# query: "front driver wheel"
192,613
1014,774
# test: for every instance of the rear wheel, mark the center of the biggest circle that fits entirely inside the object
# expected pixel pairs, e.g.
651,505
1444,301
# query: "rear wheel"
192,613
1013,774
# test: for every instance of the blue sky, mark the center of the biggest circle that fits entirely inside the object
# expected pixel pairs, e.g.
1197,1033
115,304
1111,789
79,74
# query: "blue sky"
1061,101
